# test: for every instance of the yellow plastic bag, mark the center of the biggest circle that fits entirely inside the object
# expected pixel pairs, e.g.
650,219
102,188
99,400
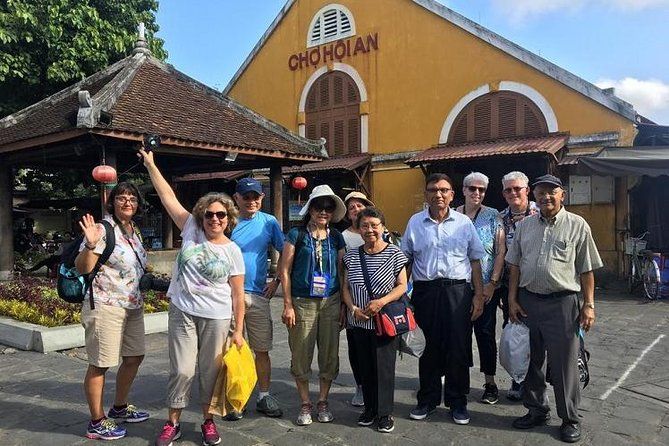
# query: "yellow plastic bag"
240,378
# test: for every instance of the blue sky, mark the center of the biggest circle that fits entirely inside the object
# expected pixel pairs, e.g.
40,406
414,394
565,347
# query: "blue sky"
620,43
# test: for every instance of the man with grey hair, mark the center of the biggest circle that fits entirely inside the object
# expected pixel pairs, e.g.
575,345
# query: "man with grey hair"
515,187
551,260
489,229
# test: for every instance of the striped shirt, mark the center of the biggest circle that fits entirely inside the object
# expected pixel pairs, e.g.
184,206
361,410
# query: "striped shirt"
383,268
552,254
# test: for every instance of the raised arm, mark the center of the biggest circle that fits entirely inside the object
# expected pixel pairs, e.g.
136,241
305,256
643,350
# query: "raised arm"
167,196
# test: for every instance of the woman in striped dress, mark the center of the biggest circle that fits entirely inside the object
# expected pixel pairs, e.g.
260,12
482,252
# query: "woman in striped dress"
376,354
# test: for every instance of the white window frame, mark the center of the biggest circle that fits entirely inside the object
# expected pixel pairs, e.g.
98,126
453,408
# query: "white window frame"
320,15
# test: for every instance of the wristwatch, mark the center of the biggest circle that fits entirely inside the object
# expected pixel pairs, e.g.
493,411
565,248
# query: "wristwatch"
89,246
589,305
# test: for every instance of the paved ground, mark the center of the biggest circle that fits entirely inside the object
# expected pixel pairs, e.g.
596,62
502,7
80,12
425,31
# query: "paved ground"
41,400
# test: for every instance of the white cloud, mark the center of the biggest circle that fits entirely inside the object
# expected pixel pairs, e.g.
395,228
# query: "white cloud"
649,97
519,10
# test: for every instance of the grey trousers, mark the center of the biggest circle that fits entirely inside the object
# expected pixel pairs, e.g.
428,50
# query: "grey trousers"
553,323
193,341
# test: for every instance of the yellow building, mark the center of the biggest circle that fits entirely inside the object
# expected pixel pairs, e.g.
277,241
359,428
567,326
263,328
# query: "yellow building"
384,80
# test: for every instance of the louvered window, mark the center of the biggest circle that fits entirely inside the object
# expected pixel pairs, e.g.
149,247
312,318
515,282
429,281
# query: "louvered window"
333,113
333,22
501,114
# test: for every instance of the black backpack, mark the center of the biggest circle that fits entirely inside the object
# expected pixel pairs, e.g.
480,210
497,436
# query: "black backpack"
71,285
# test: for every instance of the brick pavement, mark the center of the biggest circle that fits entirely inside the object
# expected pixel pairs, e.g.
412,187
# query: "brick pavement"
41,400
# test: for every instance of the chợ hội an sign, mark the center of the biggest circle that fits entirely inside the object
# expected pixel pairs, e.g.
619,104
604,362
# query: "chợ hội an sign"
335,51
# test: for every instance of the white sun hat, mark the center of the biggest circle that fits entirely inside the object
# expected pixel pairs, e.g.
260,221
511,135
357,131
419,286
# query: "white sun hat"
325,191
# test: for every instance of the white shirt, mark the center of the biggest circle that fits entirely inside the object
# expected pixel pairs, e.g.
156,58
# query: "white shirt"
200,277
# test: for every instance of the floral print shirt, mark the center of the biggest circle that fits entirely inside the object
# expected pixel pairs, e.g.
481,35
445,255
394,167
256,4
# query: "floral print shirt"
117,282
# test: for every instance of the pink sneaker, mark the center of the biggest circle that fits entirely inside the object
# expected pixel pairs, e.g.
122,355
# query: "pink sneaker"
209,433
169,433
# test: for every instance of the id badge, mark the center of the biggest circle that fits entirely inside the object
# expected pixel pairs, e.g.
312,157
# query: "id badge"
319,284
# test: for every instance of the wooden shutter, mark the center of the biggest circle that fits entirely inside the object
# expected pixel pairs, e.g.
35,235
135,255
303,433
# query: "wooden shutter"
333,113
501,114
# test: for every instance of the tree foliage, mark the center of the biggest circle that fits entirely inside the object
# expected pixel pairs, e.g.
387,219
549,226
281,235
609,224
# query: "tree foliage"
46,45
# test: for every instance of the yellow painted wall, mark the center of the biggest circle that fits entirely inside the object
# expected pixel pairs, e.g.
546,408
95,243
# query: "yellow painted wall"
423,67
399,193
602,221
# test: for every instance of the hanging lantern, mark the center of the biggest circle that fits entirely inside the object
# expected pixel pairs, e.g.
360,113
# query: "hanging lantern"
299,183
104,174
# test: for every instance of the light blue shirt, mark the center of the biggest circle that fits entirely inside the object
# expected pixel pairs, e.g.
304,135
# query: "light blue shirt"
441,250
254,236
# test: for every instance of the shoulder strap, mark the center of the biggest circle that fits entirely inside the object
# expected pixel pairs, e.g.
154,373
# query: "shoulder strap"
110,243
365,273
301,234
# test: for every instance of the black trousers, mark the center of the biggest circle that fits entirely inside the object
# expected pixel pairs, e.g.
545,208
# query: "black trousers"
376,357
553,323
443,313
484,330
353,356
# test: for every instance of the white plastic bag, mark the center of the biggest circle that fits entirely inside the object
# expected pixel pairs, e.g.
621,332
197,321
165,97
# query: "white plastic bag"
514,350
413,342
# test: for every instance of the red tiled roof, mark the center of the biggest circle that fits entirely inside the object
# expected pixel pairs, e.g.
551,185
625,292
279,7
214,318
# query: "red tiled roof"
537,144
225,176
349,162
141,95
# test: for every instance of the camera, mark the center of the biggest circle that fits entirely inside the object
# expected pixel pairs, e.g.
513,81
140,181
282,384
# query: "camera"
151,142
150,282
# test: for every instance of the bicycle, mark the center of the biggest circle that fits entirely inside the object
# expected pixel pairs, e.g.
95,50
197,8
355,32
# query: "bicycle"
643,269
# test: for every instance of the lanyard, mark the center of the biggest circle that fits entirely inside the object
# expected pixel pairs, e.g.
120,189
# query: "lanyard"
319,261
477,214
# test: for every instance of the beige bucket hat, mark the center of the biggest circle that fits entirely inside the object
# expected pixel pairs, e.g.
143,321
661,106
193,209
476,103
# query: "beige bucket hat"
325,191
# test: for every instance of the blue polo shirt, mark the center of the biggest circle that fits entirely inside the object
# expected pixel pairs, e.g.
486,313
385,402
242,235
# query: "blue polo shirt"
441,250
254,236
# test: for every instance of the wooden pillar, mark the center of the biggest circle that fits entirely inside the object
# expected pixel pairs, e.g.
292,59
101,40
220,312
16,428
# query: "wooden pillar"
6,233
621,197
276,201
167,230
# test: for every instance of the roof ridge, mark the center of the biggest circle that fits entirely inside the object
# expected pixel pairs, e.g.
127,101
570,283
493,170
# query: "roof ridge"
106,97
18,116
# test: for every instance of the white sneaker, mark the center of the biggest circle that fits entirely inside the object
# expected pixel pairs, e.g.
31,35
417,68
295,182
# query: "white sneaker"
358,400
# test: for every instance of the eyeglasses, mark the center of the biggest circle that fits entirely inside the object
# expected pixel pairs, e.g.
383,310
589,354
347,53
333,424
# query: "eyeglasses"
220,215
442,190
547,193
373,226
123,200
515,189
473,189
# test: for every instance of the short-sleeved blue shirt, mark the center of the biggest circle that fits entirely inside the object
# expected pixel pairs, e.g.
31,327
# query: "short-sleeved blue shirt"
304,263
254,237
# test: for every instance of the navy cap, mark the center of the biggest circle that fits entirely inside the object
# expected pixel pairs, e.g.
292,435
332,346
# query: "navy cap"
245,185
548,179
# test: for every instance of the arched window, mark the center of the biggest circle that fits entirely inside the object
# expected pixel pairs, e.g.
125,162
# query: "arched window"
501,114
333,22
333,112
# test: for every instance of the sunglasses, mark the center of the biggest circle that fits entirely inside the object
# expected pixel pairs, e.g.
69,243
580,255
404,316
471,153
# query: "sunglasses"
325,205
220,215
473,189
515,189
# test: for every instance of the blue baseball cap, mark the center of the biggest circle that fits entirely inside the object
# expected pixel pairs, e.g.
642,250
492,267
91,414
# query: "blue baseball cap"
548,179
245,185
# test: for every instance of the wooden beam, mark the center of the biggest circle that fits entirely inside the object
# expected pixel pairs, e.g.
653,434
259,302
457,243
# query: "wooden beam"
42,140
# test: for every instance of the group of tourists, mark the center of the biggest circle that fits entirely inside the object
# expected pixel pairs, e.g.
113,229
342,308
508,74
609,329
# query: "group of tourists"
531,259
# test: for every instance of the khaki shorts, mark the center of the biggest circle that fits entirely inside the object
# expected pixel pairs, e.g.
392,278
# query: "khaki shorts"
316,323
258,322
112,332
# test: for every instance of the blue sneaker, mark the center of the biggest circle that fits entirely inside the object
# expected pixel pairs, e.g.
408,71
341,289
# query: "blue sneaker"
460,415
106,429
130,414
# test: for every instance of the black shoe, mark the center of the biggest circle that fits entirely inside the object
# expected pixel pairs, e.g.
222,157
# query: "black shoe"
570,432
530,420
386,424
490,394
366,419
421,412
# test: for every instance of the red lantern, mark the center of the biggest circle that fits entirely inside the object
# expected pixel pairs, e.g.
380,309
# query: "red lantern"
299,183
104,174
